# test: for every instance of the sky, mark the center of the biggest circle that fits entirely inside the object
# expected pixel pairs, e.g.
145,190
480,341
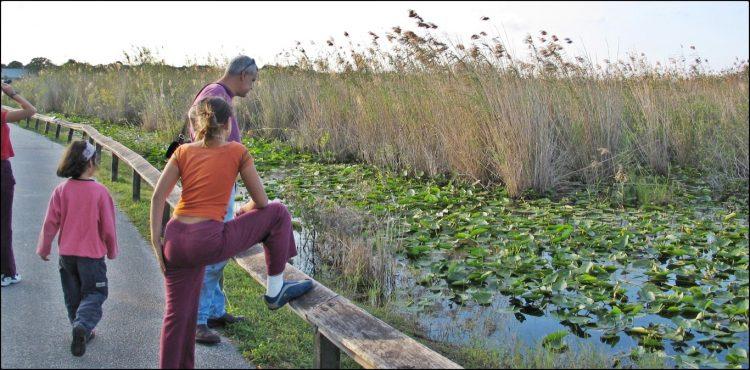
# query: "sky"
180,32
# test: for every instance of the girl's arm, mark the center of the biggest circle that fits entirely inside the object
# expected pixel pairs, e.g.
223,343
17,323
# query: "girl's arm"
107,227
254,186
50,228
27,110
164,186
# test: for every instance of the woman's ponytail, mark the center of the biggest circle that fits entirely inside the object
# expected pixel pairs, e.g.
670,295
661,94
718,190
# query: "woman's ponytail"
213,116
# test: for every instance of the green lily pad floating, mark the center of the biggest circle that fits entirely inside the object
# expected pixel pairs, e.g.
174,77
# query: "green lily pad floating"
560,284
417,250
588,279
482,297
737,356
555,341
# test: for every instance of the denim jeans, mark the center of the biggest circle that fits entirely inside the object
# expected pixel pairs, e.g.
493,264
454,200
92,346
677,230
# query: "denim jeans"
211,304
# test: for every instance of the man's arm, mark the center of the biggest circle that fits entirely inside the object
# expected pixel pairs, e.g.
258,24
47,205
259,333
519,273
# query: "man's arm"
191,119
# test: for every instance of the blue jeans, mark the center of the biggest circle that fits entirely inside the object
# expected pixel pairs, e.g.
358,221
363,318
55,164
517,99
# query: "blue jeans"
211,303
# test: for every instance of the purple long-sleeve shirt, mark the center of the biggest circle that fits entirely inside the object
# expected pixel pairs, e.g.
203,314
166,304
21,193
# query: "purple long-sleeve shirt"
216,89
84,214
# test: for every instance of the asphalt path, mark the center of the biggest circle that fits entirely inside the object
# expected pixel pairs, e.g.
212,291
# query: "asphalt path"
35,329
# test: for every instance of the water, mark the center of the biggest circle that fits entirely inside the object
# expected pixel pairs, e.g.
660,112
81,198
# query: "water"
494,326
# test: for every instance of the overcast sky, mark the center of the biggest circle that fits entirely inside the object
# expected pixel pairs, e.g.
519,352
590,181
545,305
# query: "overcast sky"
100,32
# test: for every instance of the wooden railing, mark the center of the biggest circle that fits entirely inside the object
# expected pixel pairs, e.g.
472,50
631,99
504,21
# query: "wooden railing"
339,324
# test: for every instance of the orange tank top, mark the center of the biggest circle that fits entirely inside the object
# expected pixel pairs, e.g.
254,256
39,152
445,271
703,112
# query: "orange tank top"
208,175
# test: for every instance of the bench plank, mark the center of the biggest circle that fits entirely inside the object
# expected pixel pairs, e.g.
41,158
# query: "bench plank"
370,341
253,261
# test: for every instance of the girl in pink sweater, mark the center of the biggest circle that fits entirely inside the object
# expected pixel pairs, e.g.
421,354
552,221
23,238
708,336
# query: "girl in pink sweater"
83,212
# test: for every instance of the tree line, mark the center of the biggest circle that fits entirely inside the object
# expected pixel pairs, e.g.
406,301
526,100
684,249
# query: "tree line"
41,63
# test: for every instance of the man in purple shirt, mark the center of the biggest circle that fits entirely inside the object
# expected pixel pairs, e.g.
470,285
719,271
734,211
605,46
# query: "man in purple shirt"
238,80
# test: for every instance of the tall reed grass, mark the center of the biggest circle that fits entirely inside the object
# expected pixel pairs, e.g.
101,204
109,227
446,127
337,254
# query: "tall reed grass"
414,101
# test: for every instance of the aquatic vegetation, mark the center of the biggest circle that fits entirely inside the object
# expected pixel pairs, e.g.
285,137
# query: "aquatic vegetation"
577,259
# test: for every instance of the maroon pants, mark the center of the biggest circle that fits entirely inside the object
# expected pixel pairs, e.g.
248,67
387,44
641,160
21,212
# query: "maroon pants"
7,183
188,248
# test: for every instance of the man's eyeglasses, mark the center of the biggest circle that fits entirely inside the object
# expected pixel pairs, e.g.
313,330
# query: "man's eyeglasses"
252,63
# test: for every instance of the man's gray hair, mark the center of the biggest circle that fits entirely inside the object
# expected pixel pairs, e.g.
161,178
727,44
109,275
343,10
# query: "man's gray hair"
241,63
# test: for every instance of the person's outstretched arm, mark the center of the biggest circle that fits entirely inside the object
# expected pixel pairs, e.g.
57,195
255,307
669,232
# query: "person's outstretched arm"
27,110
164,186
254,186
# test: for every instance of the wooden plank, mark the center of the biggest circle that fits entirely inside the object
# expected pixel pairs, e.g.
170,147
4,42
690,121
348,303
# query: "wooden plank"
327,355
370,341
115,165
253,261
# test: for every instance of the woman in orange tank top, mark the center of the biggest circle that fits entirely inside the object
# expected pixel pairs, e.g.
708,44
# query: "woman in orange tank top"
196,236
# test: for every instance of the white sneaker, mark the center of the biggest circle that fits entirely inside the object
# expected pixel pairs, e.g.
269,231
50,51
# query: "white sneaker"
7,280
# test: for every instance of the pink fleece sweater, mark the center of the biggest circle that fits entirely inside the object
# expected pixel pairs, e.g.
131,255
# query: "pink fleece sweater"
84,213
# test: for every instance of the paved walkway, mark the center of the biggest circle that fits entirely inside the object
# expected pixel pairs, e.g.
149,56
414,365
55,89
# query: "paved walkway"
35,328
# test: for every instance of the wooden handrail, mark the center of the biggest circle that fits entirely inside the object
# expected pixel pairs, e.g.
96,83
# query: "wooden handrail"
339,324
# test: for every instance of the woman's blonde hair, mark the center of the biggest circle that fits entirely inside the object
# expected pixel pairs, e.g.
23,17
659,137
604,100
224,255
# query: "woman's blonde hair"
213,115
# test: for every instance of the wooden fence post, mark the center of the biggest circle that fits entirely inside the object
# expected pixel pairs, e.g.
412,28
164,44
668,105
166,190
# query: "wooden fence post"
57,131
327,355
115,164
83,135
36,125
46,127
136,186
98,153
70,134
91,140
27,122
